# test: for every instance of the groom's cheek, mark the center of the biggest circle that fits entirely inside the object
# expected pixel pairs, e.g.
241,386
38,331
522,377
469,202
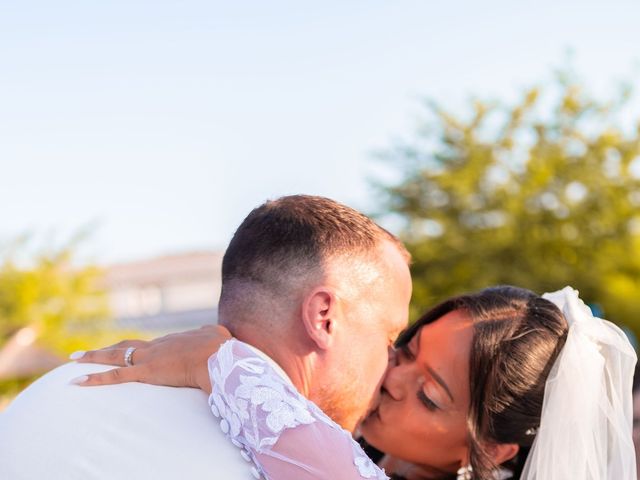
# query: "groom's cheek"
375,400
375,362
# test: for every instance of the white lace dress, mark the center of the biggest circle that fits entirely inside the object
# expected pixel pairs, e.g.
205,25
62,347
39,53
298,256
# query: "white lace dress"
283,434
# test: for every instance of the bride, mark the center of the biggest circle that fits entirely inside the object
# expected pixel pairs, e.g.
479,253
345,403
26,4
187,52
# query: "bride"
518,385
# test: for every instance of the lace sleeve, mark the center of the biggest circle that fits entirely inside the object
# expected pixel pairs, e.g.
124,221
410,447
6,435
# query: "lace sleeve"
284,434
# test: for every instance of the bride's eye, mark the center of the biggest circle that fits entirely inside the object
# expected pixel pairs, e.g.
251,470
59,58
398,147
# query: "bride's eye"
430,404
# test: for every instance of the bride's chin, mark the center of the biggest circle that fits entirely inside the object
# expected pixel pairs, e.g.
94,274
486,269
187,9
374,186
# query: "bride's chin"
374,439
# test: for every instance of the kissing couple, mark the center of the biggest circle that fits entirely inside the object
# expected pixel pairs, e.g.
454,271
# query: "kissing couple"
312,349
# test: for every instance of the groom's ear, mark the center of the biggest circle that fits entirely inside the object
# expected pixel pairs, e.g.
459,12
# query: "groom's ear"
319,313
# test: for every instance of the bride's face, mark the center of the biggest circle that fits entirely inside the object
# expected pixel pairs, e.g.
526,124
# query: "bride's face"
424,400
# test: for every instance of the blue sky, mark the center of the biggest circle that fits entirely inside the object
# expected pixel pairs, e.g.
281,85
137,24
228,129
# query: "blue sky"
163,123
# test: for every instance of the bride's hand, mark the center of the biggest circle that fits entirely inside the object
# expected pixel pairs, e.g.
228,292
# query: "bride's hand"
177,360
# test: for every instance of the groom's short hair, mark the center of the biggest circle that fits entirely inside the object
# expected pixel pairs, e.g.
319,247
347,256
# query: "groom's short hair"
285,241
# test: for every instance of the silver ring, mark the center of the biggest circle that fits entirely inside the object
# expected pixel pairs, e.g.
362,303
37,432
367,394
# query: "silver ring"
128,354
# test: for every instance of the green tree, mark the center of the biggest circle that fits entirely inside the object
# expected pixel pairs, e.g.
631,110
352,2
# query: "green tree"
63,303
542,194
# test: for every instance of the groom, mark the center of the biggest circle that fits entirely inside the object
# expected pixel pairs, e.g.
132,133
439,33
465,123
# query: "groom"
316,286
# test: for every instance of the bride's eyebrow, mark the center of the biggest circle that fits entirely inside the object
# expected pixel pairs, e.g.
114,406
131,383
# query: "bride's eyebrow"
440,381
433,373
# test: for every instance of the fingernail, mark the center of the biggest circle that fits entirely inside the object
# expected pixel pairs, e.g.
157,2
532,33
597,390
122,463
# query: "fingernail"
79,380
77,355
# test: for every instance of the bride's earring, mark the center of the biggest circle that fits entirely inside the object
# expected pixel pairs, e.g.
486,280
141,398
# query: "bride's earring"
465,473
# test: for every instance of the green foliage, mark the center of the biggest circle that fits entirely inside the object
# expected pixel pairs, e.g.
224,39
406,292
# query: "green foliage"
63,303
542,194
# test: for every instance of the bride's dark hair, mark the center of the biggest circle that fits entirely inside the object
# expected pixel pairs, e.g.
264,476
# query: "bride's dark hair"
517,337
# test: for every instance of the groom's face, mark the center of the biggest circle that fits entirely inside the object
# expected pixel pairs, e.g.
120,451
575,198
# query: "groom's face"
373,321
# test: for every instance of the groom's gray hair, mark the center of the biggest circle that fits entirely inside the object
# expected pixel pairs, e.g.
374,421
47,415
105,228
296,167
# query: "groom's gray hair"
285,243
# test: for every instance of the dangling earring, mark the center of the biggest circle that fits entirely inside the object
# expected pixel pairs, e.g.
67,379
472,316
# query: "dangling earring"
465,473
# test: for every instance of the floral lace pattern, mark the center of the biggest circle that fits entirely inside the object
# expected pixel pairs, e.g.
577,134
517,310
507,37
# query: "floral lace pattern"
263,413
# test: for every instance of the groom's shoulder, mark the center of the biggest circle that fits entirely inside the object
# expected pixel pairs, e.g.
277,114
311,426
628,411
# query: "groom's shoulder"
105,432
55,391
59,382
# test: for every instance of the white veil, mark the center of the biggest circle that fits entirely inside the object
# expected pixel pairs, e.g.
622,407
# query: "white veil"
586,422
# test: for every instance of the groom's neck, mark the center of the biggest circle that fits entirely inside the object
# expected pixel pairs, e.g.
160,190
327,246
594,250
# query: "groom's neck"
283,350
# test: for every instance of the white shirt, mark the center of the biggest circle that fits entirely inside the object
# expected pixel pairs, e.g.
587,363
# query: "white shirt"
55,430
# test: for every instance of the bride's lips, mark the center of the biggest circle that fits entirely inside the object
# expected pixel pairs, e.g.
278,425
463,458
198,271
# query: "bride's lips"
377,414
374,403
374,413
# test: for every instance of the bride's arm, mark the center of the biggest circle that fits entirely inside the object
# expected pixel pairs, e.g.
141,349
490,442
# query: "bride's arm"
282,432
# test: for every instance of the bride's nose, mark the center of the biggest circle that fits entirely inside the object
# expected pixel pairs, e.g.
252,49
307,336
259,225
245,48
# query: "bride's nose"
395,379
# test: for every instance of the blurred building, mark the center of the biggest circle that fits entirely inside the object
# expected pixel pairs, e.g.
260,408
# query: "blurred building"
157,295
168,293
